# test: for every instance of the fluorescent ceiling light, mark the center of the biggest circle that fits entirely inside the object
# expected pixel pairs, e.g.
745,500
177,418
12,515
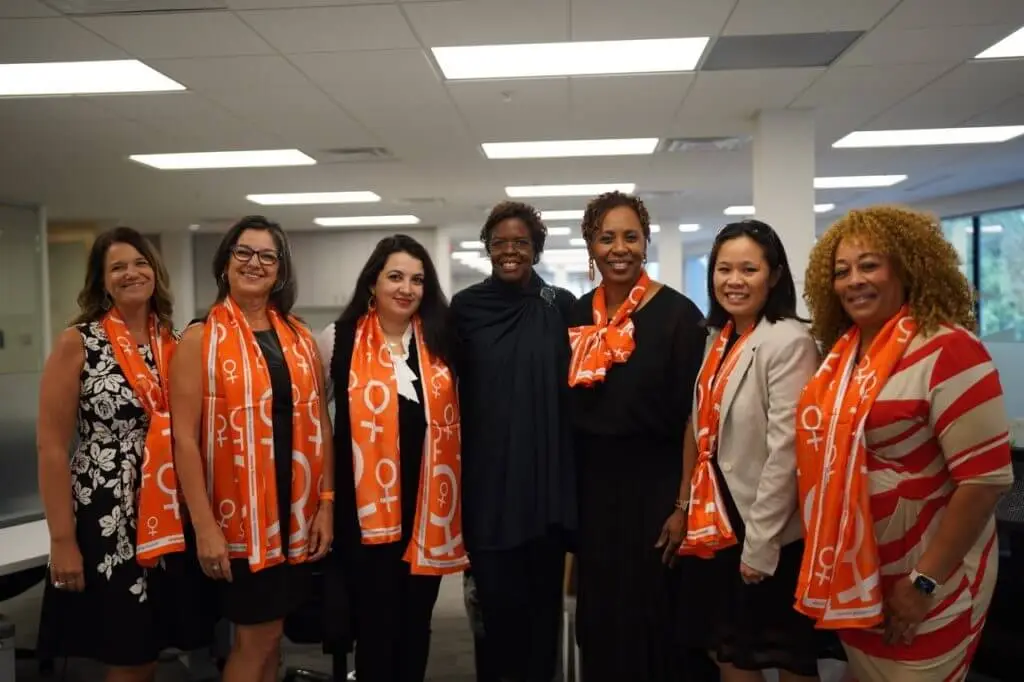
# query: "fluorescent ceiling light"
82,78
749,210
466,255
367,220
559,231
578,242
655,229
583,58
549,149
475,244
297,198
858,181
575,214
929,136
565,255
689,227
245,159
568,190
1009,47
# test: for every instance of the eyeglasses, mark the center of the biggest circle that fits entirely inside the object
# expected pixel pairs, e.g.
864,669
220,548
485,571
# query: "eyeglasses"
244,254
516,244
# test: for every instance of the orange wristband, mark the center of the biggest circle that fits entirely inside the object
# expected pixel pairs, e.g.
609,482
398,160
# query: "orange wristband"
327,496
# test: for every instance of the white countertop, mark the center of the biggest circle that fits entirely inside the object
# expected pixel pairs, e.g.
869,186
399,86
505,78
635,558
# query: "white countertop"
24,546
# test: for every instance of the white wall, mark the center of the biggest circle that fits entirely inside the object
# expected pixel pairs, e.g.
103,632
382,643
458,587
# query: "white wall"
22,304
326,265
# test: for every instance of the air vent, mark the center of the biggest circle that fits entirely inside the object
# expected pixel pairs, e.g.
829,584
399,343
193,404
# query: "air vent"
703,144
356,155
98,8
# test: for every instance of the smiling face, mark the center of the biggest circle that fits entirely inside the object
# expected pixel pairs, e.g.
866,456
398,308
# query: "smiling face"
742,280
867,284
253,267
619,246
399,287
511,250
127,276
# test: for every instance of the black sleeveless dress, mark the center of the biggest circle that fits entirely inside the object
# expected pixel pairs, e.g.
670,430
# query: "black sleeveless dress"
275,592
127,614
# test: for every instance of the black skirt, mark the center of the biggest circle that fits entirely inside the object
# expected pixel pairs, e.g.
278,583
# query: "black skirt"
267,595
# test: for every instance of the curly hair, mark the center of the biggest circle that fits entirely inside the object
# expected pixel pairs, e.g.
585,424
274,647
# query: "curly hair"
530,216
927,265
598,208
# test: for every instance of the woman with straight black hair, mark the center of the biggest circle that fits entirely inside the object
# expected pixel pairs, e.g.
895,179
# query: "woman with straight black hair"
397,433
743,553
253,444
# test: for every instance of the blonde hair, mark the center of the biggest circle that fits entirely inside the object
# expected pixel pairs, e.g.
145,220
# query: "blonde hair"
927,265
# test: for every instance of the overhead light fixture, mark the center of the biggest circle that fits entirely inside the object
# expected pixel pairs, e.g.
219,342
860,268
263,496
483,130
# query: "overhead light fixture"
82,78
558,231
749,210
1009,47
928,137
579,241
858,181
469,245
466,255
528,191
261,158
689,227
299,198
574,214
367,220
550,149
565,255
655,229
576,58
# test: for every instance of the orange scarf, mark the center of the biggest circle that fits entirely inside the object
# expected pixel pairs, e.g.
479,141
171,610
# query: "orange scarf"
707,527
159,528
437,546
840,578
238,436
596,347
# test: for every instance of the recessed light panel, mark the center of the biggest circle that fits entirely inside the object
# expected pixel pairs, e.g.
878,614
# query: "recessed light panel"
689,227
82,78
582,58
558,231
311,198
1009,47
551,149
367,220
261,158
574,214
858,181
528,191
929,137
749,210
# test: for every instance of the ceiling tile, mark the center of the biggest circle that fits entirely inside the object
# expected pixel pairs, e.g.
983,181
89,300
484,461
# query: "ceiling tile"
742,93
333,29
617,20
184,34
608,106
263,74
51,40
295,4
868,88
943,45
1009,112
752,17
513,110
932,13
15,9
485,22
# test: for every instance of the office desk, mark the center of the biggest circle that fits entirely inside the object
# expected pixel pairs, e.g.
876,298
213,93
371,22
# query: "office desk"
24,546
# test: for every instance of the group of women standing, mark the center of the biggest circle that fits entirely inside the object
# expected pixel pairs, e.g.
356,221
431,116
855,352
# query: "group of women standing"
729,493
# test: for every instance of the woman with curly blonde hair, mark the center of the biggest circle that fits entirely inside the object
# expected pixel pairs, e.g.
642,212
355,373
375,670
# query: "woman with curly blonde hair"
902,451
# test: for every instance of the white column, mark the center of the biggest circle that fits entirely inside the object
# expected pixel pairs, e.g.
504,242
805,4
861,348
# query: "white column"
670,256
442,255
176,250
784,184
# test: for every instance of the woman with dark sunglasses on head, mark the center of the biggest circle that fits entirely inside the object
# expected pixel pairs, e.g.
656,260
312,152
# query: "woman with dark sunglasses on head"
253,444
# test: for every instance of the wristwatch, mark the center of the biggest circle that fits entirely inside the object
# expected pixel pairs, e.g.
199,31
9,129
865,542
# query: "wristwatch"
923,583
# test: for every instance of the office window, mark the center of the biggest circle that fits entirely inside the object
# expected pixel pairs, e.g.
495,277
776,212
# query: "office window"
695,280
22,307
959,233
1001,249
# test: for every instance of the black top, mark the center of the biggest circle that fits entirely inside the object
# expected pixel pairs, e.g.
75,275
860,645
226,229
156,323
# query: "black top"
517,455
281,420
412,430
651,394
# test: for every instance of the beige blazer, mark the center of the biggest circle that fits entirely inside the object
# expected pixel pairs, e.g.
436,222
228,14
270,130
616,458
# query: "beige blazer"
756,449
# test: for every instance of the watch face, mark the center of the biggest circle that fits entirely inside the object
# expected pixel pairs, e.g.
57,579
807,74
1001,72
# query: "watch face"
924,584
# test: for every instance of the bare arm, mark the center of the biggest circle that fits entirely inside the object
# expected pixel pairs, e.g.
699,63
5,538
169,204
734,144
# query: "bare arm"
689,462
326,430
186,406
58,413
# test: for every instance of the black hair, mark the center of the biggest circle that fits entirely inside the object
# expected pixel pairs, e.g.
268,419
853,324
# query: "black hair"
93,299
433,310
781,302
286,288
599,207
530,216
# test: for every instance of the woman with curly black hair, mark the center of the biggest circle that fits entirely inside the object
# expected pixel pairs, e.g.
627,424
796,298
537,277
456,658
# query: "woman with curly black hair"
637,346
519,501
902,451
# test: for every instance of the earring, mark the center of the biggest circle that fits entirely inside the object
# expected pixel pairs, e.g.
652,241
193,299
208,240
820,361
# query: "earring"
590,269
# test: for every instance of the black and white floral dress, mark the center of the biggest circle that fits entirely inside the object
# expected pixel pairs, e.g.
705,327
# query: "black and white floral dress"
127,614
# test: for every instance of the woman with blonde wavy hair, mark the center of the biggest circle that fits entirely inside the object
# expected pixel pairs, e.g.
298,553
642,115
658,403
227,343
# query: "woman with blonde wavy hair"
902,451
